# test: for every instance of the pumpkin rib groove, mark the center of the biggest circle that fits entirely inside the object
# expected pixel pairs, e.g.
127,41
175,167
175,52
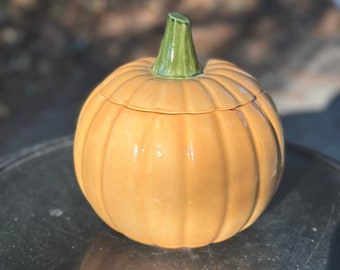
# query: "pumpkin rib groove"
125,72
91,98
236,83
90,123
114,76
121,73
230,69
120,86
126,69
185,173
258,177
221,142
88,186
145,141
139,67
78,143
103,84
250,84
130,69
103,158
220,85
233,69
188,101
218,62
136,93
138,63
267,100
146,60
184,93
254,90
207,93
277,143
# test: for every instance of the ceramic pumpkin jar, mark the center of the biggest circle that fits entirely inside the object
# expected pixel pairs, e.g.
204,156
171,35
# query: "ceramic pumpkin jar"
175,155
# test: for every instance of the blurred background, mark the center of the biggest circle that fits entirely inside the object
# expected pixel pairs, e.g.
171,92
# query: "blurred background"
53,53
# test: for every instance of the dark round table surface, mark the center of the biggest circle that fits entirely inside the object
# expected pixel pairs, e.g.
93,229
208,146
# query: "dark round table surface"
45,222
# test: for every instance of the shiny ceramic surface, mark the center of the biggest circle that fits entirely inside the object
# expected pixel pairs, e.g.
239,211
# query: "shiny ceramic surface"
162,159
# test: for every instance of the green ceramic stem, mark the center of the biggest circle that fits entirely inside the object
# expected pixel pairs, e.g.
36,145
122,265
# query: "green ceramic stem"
177,57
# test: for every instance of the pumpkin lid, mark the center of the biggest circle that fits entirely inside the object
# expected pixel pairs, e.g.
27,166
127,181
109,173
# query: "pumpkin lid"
175,82
221,86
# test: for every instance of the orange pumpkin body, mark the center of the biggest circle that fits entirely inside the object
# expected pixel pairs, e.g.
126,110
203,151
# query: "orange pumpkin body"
179,162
